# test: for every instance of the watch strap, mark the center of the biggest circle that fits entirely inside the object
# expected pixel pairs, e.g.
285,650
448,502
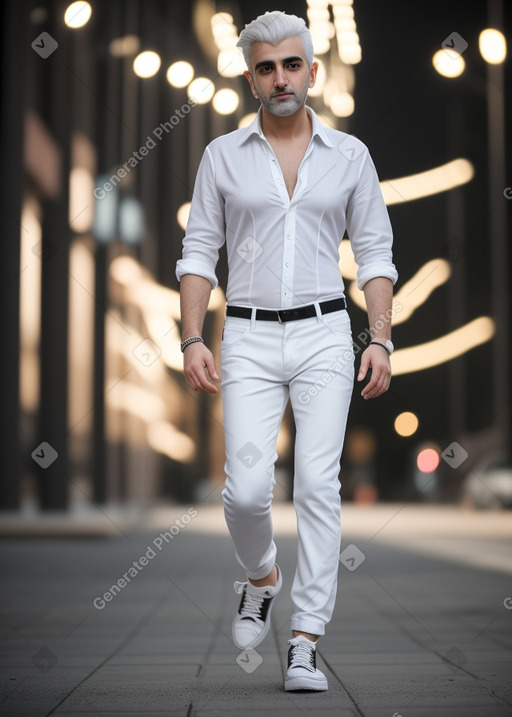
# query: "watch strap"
378,343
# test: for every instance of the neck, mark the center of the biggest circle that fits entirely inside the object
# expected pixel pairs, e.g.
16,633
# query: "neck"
286,127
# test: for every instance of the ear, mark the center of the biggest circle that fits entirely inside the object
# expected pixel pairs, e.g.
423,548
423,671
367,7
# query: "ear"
312,74
249,79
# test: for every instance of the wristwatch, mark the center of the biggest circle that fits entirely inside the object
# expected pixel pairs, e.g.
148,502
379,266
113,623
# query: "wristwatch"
388,345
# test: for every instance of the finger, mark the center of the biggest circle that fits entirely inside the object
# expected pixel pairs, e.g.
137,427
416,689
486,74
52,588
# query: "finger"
201,379
363,369
377,379
192,383
377,388
212,369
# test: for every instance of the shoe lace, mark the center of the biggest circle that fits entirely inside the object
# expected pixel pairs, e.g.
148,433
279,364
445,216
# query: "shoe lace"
239,586
252,603
302,655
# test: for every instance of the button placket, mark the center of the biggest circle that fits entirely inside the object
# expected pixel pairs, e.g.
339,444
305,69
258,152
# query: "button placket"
288,258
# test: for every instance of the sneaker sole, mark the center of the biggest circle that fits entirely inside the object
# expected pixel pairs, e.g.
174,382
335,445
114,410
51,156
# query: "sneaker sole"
305,683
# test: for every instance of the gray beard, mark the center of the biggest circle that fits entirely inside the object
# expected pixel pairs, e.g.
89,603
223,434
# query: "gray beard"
284,108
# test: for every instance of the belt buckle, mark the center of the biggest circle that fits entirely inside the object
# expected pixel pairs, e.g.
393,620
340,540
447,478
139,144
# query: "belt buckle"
279,316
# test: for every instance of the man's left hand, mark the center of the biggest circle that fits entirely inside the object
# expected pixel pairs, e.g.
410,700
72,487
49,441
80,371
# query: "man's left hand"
375,358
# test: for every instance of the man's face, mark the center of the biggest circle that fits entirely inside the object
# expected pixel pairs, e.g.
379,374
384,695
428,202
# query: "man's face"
280,75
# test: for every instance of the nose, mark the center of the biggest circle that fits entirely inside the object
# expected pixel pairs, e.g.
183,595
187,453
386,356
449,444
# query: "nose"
280,79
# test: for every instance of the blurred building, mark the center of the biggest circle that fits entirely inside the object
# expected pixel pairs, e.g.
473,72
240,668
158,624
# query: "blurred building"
107,109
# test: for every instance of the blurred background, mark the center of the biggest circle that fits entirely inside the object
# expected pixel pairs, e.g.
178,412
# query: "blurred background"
107,108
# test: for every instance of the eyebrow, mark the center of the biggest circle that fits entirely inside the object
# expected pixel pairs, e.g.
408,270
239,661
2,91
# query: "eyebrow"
267,63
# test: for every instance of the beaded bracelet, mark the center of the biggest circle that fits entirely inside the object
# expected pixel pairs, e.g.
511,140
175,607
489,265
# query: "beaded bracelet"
191,340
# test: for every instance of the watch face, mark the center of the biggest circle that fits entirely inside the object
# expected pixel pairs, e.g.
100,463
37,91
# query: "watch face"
389,346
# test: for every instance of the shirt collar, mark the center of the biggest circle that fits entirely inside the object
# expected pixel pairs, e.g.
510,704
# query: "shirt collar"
255,128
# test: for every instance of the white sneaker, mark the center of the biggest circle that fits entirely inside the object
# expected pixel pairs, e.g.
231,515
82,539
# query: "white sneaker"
302,672
252,621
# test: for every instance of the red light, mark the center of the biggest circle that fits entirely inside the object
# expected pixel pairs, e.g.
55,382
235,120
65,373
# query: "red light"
427,460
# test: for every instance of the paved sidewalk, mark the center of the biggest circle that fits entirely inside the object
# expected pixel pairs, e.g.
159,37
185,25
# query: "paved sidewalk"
422,625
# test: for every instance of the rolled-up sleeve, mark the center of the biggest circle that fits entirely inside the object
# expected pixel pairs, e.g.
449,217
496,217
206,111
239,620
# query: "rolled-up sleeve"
205,232
369,228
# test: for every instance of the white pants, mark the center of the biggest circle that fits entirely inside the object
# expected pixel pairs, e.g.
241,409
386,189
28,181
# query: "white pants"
263,363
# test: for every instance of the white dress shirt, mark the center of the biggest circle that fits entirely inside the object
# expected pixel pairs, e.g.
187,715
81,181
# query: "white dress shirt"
283,252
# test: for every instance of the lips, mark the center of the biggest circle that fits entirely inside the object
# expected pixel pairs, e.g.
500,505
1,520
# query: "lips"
284,94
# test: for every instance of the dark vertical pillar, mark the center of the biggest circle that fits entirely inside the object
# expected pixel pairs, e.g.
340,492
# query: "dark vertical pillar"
507,87
99,469
108,117
457,284
500,296
14,42
53,416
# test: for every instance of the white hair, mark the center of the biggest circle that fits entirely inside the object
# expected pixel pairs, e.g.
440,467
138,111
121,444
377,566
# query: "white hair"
274,27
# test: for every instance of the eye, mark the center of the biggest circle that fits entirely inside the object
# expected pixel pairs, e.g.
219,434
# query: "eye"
293,65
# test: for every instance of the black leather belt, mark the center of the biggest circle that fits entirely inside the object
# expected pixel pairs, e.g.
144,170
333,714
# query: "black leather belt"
282,315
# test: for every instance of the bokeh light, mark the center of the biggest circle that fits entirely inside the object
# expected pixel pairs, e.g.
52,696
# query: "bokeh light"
225,101
246,120
428,460
201,90
406,424
448,65
180,74
493,46
182,215
146,64
77,14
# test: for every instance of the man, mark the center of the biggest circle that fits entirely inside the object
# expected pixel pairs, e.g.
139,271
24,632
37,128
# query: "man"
281,194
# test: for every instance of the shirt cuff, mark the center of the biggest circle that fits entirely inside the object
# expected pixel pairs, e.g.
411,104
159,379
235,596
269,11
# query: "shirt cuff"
194,266
373,271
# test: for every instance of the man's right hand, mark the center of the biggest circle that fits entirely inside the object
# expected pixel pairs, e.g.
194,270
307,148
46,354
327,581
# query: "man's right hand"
199,368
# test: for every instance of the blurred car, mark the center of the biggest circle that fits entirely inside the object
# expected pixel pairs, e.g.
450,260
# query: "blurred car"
489,484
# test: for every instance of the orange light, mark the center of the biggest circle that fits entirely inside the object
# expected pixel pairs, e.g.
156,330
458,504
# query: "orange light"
427,460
